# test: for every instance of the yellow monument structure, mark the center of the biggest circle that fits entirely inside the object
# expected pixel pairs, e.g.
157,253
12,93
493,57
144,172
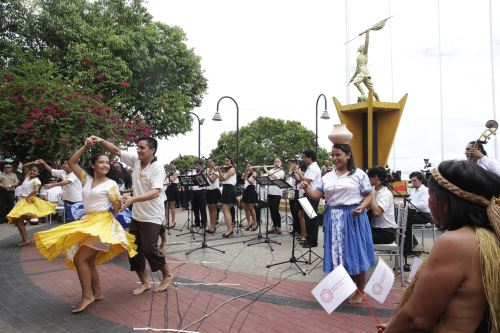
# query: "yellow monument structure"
373,123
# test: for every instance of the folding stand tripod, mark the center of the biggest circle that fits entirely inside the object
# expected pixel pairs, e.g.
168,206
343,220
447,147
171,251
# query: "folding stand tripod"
292,259
309,210
189,181
264,181
204,242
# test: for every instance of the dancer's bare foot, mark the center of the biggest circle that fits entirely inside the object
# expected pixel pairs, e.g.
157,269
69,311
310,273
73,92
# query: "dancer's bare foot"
98,297
355,299
164,283
141,289
162,246
23,243
85,302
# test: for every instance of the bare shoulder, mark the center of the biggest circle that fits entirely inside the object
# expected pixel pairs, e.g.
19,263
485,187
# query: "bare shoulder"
457,240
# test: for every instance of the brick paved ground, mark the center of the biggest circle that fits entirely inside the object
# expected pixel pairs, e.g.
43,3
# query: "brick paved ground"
37,295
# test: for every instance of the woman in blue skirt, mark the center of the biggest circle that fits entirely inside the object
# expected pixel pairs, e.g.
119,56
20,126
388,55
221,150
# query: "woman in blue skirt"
348,237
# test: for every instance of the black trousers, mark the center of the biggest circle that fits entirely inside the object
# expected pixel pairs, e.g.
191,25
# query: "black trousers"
146,238
274,209
295,215
199,206
312,224
7,201
414,217
383,235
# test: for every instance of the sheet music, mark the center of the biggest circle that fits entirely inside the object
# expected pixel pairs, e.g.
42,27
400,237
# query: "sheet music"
308,209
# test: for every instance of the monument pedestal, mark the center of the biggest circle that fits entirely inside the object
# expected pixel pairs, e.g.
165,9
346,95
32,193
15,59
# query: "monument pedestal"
374,125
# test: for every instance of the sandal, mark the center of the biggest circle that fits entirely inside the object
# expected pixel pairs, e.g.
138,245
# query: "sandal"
255,226
212,231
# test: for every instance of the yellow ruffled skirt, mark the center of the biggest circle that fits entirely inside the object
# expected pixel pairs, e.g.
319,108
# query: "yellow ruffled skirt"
38,208
96,228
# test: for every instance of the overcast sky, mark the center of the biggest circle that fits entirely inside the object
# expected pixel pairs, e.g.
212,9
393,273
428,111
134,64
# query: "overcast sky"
275,57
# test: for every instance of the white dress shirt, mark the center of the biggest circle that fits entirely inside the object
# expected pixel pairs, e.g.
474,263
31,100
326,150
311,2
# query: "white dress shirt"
144,180
313,172
489,164
72,191
419,197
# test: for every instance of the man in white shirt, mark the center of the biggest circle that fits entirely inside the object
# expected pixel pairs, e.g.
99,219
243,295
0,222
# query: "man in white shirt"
274,196
148,212
313,177
475,153
72,187
418,212
383,223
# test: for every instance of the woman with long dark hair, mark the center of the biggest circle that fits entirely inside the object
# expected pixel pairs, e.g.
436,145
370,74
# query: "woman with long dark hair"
98,237
29,204
348,237
457,287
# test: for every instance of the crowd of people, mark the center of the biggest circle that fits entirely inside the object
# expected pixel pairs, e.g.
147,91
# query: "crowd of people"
460,197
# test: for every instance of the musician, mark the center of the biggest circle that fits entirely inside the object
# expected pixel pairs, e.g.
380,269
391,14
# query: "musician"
227,176
427,168
474,151
213,193
383,222
274,195
418,212
291,179
199,198
312,176
249,198
172,184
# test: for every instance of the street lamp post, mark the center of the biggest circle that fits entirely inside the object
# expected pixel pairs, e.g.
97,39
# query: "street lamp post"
200,122
217,117
324,115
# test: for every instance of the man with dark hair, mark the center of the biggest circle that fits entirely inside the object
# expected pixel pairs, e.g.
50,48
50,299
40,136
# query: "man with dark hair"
474,151
313,177
383,223
149,211
199,199
418,212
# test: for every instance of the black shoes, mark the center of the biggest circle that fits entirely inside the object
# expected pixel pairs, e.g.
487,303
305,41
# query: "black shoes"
307,245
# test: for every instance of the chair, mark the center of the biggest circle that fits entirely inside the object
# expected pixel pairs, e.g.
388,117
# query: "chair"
396,249
57,199
422,228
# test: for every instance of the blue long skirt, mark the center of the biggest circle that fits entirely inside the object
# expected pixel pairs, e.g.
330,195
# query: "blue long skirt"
348,240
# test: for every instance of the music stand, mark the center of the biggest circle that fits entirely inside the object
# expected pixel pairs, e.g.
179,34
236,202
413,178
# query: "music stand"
284,185
189,181
264,181
308,210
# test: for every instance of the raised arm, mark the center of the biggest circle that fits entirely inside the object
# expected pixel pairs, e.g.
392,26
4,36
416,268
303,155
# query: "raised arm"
44,164
73,161
367,39
108,146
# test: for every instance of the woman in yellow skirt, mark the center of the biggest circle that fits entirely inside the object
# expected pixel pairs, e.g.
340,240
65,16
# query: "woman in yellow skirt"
97,237
29,205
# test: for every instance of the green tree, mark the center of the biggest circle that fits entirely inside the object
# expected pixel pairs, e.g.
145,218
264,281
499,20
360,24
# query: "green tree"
184,162
266,138
110,48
